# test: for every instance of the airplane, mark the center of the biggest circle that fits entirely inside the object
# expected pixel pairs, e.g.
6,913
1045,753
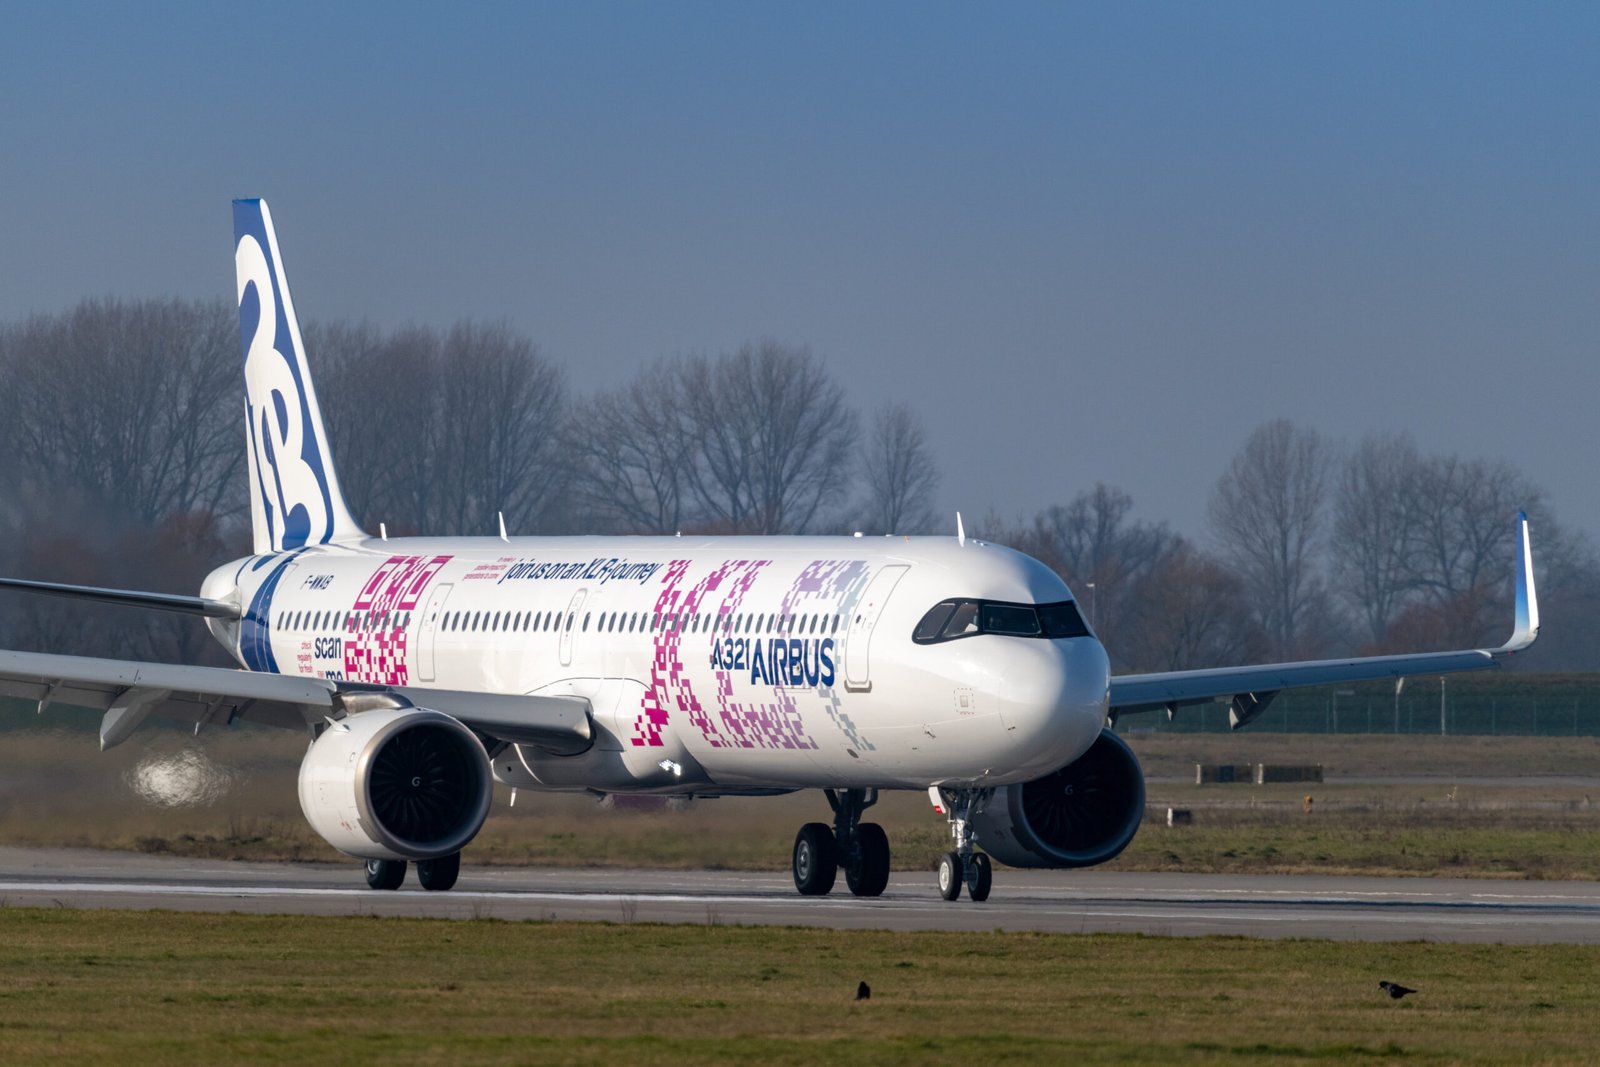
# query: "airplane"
425,669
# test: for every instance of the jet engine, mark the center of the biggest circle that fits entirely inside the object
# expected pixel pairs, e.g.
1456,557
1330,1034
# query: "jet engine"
396,784
1083,814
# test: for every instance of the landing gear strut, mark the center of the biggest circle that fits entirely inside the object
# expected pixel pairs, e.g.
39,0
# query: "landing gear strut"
862,849
964,865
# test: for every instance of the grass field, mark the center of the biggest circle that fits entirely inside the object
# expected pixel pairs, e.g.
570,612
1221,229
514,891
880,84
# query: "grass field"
57,789
119,987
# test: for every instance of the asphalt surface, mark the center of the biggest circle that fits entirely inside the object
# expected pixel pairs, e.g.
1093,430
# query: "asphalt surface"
1271,906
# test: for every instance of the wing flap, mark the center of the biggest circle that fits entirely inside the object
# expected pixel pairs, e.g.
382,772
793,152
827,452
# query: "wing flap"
554,724
129,690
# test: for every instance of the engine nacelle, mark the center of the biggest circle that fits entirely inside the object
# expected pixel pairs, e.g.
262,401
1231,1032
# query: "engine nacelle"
1079,816
396,784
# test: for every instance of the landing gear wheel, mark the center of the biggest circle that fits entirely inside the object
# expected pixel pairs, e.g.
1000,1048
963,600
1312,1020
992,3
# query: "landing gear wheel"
386,874
868,873
439,874
816,859
950,874
980,877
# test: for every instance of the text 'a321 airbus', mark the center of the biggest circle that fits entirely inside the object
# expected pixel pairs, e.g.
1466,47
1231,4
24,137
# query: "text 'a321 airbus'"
425,669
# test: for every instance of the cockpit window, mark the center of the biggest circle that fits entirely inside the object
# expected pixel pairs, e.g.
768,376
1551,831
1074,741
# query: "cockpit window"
951,619
1018,620
963,620
932,623
1062,620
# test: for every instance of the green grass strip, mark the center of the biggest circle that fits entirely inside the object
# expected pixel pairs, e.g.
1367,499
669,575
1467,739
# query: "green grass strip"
146,987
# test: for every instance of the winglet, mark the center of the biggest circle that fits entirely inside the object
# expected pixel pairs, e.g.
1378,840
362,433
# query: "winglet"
1527,600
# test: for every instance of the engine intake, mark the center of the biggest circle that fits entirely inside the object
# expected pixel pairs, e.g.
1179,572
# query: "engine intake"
403,783
1081,815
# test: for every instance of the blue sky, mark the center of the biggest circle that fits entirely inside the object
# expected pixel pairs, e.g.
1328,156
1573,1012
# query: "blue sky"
1087,243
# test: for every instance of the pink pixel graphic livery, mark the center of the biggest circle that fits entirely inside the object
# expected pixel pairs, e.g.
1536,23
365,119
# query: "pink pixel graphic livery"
375,643
747,707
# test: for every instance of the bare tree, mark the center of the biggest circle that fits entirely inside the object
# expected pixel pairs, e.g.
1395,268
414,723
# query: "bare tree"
378,391
1191,611
1267,514
133,405
634,453
772,436
500,441
437,432
1373,518
1101,552
1459,550
898,473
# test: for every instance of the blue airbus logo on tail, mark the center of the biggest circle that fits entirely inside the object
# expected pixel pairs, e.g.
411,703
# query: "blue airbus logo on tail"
296,498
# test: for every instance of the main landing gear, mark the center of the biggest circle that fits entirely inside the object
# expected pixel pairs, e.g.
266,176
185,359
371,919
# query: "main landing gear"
438,874
861,848
964,865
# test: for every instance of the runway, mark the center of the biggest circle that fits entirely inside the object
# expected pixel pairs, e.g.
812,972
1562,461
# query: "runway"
1270,906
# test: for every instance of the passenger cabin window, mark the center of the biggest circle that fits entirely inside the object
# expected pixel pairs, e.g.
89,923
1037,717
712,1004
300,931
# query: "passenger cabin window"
952,619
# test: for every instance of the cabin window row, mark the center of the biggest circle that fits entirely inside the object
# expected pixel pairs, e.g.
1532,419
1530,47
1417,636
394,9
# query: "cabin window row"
641,622
548,621
348,621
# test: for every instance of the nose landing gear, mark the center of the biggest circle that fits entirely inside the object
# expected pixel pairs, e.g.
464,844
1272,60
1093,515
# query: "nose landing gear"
862,849
964,865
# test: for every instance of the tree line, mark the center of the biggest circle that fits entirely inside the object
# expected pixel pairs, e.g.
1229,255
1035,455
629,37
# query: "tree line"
121,463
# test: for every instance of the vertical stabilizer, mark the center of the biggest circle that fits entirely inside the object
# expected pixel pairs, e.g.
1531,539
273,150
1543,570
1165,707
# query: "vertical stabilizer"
294,492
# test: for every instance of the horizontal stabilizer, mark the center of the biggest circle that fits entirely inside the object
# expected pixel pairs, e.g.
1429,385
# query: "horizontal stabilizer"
188,605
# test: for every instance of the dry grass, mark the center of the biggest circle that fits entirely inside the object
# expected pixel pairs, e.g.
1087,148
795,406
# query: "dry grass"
56,789
121,987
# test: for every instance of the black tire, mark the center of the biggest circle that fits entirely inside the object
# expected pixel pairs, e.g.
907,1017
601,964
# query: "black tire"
816,859
440,874
950,875
867,874
980,878
386,874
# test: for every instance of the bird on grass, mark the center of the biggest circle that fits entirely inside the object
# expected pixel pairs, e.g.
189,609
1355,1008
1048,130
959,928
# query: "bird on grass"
863,992
1394,989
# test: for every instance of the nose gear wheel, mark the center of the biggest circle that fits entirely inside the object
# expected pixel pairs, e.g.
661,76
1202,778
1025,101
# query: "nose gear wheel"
964,865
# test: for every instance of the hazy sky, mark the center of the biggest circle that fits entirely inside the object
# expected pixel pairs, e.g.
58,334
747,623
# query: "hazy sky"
1086,242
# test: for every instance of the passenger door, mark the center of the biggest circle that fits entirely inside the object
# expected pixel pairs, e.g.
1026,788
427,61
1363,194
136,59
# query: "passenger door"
569,622
429,631
858,638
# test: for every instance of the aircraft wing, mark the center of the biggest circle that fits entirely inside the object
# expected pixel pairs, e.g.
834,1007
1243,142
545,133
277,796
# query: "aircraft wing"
1248,690
129,691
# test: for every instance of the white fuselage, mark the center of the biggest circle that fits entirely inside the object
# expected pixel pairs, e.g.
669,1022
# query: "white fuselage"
710,664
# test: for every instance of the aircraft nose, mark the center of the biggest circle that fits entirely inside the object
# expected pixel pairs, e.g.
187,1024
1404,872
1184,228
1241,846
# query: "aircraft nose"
1055,704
